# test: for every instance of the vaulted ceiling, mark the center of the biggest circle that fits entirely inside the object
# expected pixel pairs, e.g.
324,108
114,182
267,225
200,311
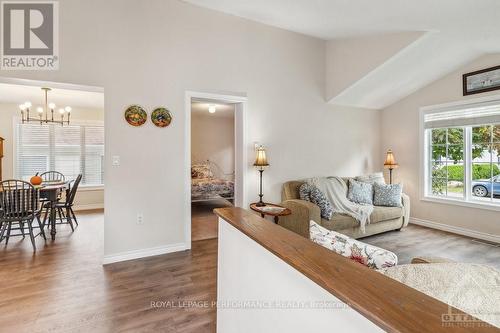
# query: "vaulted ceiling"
414,41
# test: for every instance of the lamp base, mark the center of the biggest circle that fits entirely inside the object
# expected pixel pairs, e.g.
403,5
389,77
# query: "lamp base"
260,204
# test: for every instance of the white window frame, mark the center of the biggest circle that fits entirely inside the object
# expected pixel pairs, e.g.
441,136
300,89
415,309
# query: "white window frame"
82,187
424,158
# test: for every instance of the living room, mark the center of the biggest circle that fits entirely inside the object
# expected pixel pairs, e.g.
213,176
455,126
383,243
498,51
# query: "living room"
329,87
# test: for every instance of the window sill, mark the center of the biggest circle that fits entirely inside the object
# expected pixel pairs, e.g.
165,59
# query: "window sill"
84,188
470,204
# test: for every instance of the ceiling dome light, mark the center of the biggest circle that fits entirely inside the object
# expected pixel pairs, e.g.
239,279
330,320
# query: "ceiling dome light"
211,108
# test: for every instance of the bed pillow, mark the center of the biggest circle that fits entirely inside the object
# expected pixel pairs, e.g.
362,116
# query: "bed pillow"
311,193
359,192
387,195
377,177
201,171
366,254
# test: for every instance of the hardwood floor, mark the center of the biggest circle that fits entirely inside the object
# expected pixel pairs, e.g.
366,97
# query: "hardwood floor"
203,220
65,288
416,241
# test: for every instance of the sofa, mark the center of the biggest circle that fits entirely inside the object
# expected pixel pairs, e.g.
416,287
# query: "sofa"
381,220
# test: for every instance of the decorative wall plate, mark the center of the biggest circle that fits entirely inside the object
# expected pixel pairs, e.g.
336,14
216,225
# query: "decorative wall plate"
135,115
161,117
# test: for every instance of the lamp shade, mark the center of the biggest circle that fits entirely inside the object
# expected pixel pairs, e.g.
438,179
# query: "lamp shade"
260,158
390,161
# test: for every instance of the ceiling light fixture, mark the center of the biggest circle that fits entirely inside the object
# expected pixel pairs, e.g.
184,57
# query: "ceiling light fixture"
43,111
211,108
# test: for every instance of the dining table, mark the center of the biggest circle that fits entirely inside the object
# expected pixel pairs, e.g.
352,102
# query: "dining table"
50,192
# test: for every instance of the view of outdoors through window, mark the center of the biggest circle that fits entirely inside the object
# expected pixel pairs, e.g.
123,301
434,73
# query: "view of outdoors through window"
449,150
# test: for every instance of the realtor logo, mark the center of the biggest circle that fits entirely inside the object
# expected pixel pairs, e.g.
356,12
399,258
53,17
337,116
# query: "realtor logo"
30,35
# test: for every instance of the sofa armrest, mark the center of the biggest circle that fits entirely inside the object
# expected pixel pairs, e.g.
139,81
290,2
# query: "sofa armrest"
302,213
405,200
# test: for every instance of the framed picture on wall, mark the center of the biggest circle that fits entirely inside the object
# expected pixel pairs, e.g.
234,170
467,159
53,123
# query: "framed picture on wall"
481,81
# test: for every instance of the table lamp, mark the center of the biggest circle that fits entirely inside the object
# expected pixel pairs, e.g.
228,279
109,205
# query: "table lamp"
390,163
260,163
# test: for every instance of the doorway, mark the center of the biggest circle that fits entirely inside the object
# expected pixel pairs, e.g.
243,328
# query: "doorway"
215,160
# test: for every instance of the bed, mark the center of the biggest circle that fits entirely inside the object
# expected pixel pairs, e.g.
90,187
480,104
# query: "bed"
209,183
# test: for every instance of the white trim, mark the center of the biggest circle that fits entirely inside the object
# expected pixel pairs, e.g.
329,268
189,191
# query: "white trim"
90,188
143,253
452,105
456,230
241,164
460,202
88,207
55,85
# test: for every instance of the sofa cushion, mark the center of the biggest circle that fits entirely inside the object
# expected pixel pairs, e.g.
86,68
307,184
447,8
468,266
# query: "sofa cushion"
381,213
366,254
359,192
387,194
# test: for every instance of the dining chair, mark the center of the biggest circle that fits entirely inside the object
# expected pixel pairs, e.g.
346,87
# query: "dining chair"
19,203
50,176
65,208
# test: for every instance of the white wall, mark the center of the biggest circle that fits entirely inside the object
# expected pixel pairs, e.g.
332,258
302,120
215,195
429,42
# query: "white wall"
212,138
86,198
400,131
253,293
150,53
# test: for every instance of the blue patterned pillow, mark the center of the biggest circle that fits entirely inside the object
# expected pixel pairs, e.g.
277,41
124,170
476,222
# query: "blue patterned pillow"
304,191
387,194
313,194
360,192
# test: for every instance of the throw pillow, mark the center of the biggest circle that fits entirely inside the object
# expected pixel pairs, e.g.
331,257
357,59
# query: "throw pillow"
368,255
377,177
313,194
387,194
359,192
304,191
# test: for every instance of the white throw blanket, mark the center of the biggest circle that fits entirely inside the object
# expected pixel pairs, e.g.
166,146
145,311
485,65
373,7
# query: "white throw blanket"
335,190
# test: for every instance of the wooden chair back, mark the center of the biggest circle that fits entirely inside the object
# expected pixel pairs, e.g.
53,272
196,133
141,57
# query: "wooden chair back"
50,176
19,200
72,192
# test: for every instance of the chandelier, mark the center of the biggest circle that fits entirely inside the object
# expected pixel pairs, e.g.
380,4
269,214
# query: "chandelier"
43,112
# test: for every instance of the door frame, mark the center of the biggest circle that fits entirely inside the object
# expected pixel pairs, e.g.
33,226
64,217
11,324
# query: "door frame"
240,151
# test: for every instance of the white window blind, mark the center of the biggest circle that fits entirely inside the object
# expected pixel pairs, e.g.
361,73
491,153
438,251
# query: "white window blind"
472,114
71,150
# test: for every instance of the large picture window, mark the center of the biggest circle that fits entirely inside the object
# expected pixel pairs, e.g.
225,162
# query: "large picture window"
462,153
71,150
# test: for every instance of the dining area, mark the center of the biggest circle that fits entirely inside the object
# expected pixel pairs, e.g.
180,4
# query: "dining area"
35,208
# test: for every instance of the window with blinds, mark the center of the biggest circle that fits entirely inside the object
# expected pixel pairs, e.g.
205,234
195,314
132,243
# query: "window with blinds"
462,152
71,150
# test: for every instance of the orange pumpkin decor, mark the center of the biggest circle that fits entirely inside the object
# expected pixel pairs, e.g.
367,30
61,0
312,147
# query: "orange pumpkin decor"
36,180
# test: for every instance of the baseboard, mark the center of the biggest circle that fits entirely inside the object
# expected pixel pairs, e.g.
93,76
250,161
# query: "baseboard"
88,207
143,253
456,230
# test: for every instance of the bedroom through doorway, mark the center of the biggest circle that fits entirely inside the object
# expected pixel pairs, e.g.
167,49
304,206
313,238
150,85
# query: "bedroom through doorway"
213,163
